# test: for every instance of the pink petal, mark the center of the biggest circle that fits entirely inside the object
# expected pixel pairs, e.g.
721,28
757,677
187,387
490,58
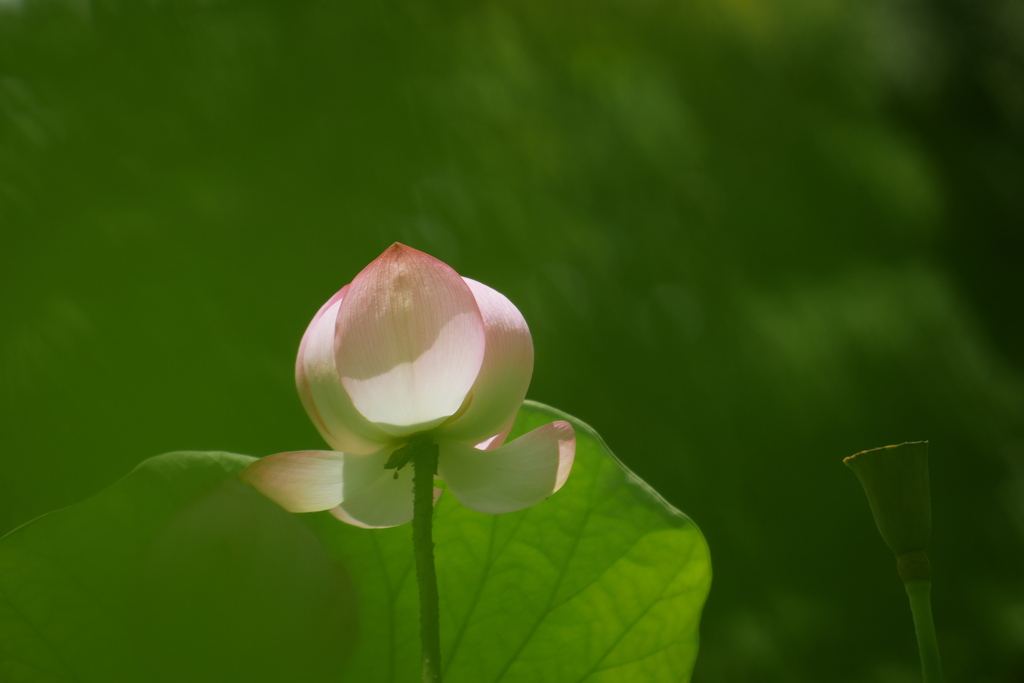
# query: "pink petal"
505,374
320,389
304,481
409,342
517,475
309,481
385,503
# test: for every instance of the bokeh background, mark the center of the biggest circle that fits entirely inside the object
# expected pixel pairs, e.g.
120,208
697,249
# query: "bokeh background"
750,238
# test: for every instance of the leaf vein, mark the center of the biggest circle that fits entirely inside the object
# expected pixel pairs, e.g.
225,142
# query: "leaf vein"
661,598
488,563
67,673
554,591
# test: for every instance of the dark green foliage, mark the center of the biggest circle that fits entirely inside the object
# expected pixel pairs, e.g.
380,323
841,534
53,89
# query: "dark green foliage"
176,573
749,238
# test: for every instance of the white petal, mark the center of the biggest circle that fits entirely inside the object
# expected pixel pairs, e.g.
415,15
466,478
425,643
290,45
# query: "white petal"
517,475
410,341
505,373
386,502
320,389
309,481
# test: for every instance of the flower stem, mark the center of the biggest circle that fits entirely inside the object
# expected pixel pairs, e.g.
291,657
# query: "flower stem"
919,591
424,463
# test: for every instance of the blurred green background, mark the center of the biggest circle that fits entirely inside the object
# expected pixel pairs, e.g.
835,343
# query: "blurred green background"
750,238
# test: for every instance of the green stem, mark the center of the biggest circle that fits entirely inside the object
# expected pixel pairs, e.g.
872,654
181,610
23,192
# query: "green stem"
920,591
424,463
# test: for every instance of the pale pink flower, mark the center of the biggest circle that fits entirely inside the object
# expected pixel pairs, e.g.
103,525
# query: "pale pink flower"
410,347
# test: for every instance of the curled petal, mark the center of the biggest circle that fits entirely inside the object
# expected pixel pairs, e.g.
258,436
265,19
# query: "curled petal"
323,397
517,475
493,442
409,342
386,502
505,373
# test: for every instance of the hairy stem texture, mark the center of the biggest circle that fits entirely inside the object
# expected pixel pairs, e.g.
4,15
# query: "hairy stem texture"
425,466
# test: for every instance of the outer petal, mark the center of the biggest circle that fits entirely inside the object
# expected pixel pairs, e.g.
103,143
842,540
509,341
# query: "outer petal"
385,502
517,475
320,389
409,342
309,481
505,374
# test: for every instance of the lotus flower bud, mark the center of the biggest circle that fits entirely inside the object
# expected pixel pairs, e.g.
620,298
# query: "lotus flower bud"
895,479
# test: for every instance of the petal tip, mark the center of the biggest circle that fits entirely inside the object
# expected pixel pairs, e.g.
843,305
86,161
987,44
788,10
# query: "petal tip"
409,341
566,451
